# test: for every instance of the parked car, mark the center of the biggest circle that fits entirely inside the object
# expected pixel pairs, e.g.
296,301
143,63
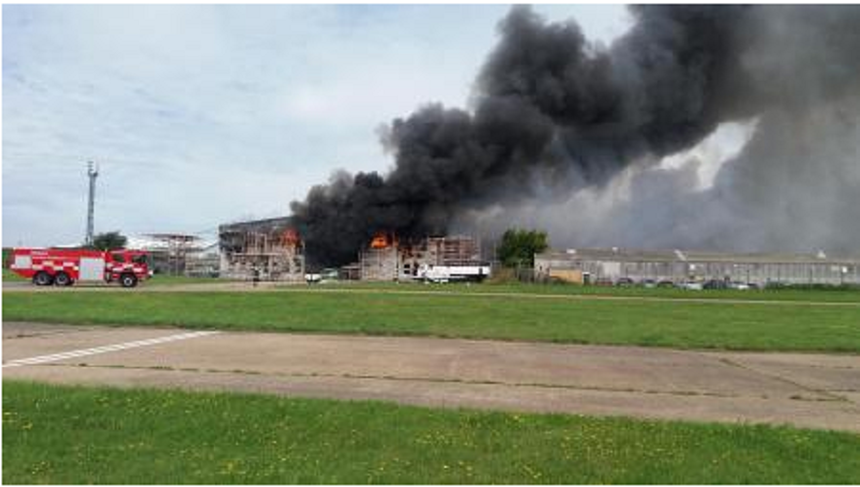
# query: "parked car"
665,283
715,284
741,286
624,282
649,283
692,286
329,274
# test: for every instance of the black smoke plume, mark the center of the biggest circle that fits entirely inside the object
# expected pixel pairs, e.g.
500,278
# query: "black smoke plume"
553,114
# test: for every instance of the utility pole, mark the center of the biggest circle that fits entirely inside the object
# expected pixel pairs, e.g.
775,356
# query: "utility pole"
92,172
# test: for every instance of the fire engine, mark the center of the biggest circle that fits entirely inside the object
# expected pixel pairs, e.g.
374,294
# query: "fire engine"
64,267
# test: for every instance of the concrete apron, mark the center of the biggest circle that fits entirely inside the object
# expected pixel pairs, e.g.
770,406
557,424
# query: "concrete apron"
805,390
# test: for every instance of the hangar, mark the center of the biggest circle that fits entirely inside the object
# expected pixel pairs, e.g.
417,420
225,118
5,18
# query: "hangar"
614,264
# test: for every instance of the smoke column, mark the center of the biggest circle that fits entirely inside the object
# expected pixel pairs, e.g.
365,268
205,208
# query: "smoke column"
555,117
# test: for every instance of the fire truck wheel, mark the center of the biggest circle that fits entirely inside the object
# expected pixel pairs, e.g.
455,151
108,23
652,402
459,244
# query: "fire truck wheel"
128,280
42,278
62,279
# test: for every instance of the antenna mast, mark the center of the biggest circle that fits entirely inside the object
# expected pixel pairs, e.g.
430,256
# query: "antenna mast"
92,172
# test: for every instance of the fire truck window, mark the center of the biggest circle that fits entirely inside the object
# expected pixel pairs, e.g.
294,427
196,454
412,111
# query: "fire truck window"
139,259
118,258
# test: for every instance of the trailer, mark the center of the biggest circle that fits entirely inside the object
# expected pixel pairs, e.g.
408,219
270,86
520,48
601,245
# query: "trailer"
441,273
65,267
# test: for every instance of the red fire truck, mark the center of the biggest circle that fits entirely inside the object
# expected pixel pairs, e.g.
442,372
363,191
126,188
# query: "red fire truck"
64,267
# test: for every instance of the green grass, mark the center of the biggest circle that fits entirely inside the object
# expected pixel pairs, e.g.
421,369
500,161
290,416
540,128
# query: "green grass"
74,435
682,324
786,294
165,280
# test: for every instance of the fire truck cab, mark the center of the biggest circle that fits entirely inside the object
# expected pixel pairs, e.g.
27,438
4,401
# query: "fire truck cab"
64,267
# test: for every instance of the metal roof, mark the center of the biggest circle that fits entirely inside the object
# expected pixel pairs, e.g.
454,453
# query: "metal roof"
643,255
260,225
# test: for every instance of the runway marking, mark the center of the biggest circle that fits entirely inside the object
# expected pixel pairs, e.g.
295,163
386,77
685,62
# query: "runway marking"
42,359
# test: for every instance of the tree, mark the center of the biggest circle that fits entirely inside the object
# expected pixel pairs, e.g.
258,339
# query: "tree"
518,247
109,241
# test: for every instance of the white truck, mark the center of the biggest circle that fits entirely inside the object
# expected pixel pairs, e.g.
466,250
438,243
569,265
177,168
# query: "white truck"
439,273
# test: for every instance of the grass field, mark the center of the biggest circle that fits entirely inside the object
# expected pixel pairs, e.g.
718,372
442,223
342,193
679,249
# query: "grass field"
67,435
835,294
818,295
164,280
750,326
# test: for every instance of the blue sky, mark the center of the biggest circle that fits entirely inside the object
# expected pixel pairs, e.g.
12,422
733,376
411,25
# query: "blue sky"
200,115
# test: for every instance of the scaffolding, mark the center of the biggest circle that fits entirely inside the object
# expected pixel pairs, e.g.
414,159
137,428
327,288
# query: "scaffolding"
380,264
169,257
262,250
392,260
203,262
454,251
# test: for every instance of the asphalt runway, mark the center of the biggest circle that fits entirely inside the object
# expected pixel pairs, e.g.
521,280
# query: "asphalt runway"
806,390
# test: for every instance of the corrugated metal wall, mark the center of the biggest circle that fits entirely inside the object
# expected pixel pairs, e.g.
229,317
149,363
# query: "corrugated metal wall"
759,273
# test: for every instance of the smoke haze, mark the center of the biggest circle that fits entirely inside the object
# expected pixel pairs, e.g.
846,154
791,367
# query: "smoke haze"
574,137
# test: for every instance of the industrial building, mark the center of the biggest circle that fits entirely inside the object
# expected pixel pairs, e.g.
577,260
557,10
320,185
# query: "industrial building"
676,266
171,253
204,261
262,249
387,259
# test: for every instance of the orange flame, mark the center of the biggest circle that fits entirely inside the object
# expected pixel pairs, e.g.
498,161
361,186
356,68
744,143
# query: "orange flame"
290,237
381,240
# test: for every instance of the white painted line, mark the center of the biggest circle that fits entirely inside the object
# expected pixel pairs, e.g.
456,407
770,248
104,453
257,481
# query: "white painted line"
42,359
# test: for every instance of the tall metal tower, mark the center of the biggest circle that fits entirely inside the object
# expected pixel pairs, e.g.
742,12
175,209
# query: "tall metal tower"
92,172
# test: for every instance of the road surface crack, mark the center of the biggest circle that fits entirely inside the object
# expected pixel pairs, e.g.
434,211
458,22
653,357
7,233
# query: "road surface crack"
440,380
829,395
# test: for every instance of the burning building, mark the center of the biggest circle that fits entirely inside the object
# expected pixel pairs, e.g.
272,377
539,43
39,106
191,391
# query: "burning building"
388,259
266,249
381,260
